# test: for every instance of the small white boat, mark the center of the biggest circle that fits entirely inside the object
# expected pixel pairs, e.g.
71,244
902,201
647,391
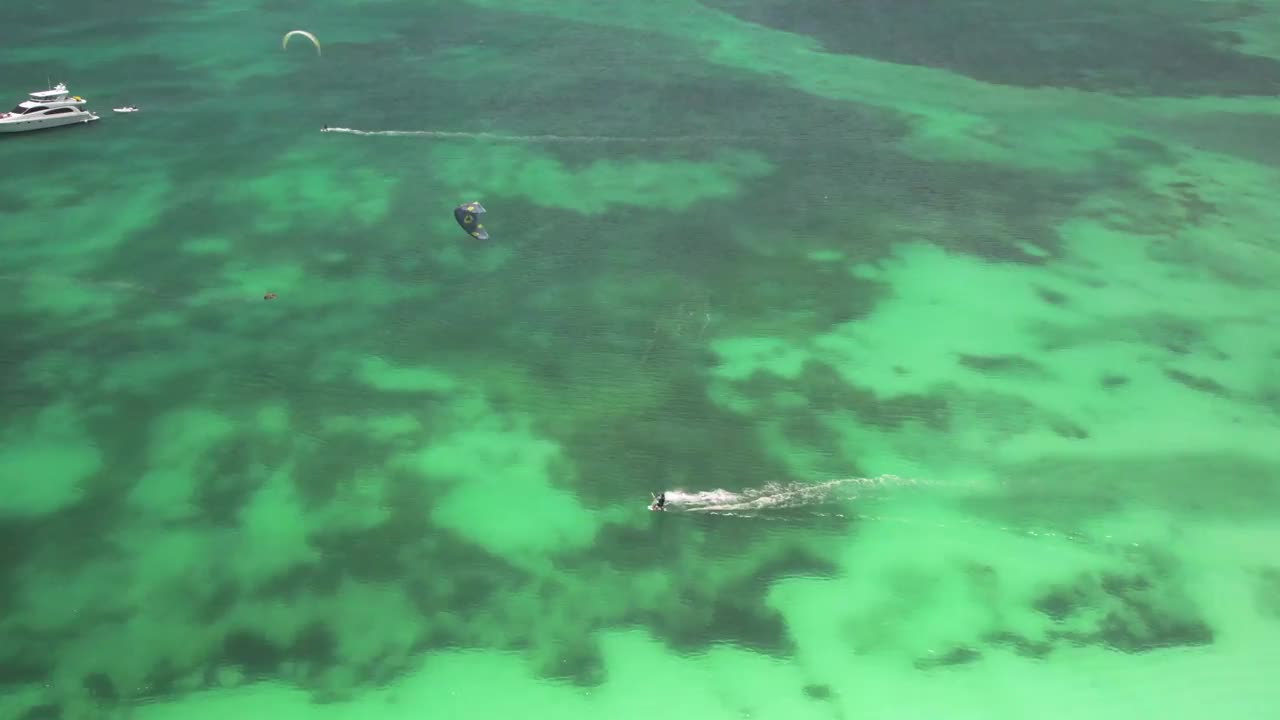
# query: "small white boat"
125,109
46,109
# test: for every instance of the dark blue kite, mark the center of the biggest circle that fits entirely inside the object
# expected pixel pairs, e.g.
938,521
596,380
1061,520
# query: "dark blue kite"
468,216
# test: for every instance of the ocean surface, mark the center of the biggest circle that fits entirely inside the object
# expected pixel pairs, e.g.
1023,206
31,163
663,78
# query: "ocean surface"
951,329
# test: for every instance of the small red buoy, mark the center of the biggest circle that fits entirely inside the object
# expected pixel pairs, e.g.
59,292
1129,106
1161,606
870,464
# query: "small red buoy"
269,296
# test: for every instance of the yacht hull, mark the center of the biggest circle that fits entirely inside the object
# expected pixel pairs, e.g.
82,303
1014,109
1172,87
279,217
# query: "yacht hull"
27,125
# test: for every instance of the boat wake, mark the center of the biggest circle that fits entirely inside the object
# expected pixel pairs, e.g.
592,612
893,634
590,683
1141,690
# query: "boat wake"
791,501
779,496
498,137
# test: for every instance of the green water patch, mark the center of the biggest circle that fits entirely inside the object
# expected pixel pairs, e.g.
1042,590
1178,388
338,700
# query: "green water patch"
854,202
1000,365
952,116
176,460
493,472
651,85
681,441
1268,591
78,245
1131,617
196,273
593,190
1250,28
807,420
45,460
1236,134
1054,490
1117,289
1110,594
734,609
307,191
1141,49
41,19
255,508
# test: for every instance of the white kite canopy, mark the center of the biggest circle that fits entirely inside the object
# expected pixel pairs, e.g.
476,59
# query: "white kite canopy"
284,43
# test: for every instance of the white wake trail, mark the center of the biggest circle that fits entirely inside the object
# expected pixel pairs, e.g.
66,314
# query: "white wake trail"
779,496
498,137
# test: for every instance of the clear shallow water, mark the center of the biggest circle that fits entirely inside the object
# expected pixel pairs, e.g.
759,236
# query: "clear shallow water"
959,322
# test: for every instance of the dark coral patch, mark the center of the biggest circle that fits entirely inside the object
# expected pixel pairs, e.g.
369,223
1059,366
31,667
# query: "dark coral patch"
1142,48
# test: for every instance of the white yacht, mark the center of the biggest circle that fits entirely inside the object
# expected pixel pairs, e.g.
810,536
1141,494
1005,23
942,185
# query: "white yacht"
46,109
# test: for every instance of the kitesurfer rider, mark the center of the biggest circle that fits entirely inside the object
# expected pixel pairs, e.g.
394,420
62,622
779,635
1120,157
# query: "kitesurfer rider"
659,502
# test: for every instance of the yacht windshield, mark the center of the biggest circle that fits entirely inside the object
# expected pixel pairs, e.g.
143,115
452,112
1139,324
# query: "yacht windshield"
18,110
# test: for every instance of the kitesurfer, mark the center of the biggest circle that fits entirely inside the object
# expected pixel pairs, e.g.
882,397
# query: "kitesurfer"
659,502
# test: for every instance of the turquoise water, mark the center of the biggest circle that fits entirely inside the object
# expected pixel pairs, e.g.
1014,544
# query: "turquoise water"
949,329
